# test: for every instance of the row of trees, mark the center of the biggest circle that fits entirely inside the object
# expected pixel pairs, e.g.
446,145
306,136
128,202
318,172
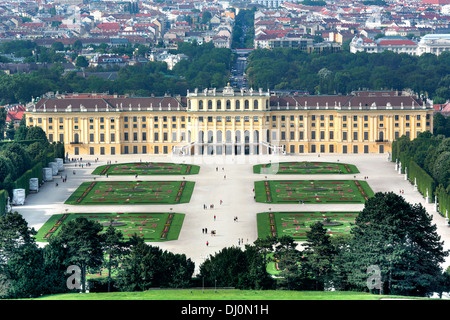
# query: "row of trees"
343,72
390,236
279,69
28,270
206,67
29,147
431,153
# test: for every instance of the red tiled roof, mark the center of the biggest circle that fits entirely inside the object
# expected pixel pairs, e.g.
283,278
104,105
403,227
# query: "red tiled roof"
396,43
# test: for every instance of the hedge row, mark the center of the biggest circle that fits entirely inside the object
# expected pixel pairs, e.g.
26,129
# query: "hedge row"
424,180
24,181
3,201
443,200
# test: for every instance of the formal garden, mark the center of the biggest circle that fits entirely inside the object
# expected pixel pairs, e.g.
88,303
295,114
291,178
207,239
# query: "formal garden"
305,167
312,191
151,227
147,168
296,224
132,192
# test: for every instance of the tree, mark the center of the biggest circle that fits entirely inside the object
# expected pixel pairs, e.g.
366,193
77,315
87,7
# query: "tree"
141,268
83,242
82,62
3,114
21,274
36,133
77,45
10,131
233,267
319,254
115,248
58,46
19,156
400,239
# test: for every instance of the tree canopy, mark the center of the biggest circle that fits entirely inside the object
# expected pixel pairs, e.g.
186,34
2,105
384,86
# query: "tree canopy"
292,69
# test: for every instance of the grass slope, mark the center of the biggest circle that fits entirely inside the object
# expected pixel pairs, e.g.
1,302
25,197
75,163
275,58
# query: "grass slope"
220,294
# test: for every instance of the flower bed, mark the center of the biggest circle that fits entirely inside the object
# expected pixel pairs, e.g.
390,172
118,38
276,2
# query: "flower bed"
132,192
297,224
310,191
150,227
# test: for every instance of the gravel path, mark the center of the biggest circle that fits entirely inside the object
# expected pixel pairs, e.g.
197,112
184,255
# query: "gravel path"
229,179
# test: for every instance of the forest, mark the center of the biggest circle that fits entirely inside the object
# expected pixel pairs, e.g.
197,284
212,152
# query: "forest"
343,72
206,67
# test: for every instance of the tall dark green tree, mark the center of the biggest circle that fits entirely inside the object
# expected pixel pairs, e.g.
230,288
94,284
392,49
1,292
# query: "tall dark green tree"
83,242
3,114
141,268
10,131
319,255
115,249
21,272
401,241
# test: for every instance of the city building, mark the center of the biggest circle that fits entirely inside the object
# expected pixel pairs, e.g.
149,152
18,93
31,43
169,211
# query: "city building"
430,43
230,122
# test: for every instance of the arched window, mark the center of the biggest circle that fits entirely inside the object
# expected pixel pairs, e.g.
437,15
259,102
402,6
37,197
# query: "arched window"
209,105
219,104
237,137
228,104
200,105
219,136
210,136
246,105
228,136
247,136
255,104
238,105
256,136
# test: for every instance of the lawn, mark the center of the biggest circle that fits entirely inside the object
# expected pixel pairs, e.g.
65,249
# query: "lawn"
221,294
152,227
305,167
132,192
312,191
296,224
147,168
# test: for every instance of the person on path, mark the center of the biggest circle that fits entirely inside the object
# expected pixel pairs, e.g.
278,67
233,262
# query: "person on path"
207,243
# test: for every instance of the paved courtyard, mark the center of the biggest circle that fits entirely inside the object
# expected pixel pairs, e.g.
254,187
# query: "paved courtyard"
230,179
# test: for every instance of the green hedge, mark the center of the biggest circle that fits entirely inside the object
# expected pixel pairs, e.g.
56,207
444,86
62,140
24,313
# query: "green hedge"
424,180
24,181
444,200
3,201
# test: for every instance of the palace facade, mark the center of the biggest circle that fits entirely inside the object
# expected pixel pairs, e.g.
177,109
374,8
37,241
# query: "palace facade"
230,122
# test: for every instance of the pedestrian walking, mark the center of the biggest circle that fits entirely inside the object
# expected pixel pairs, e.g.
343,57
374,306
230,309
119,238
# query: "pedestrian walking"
207,243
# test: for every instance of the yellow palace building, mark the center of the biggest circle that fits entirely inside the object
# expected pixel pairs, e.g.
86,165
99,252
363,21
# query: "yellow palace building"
229,121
